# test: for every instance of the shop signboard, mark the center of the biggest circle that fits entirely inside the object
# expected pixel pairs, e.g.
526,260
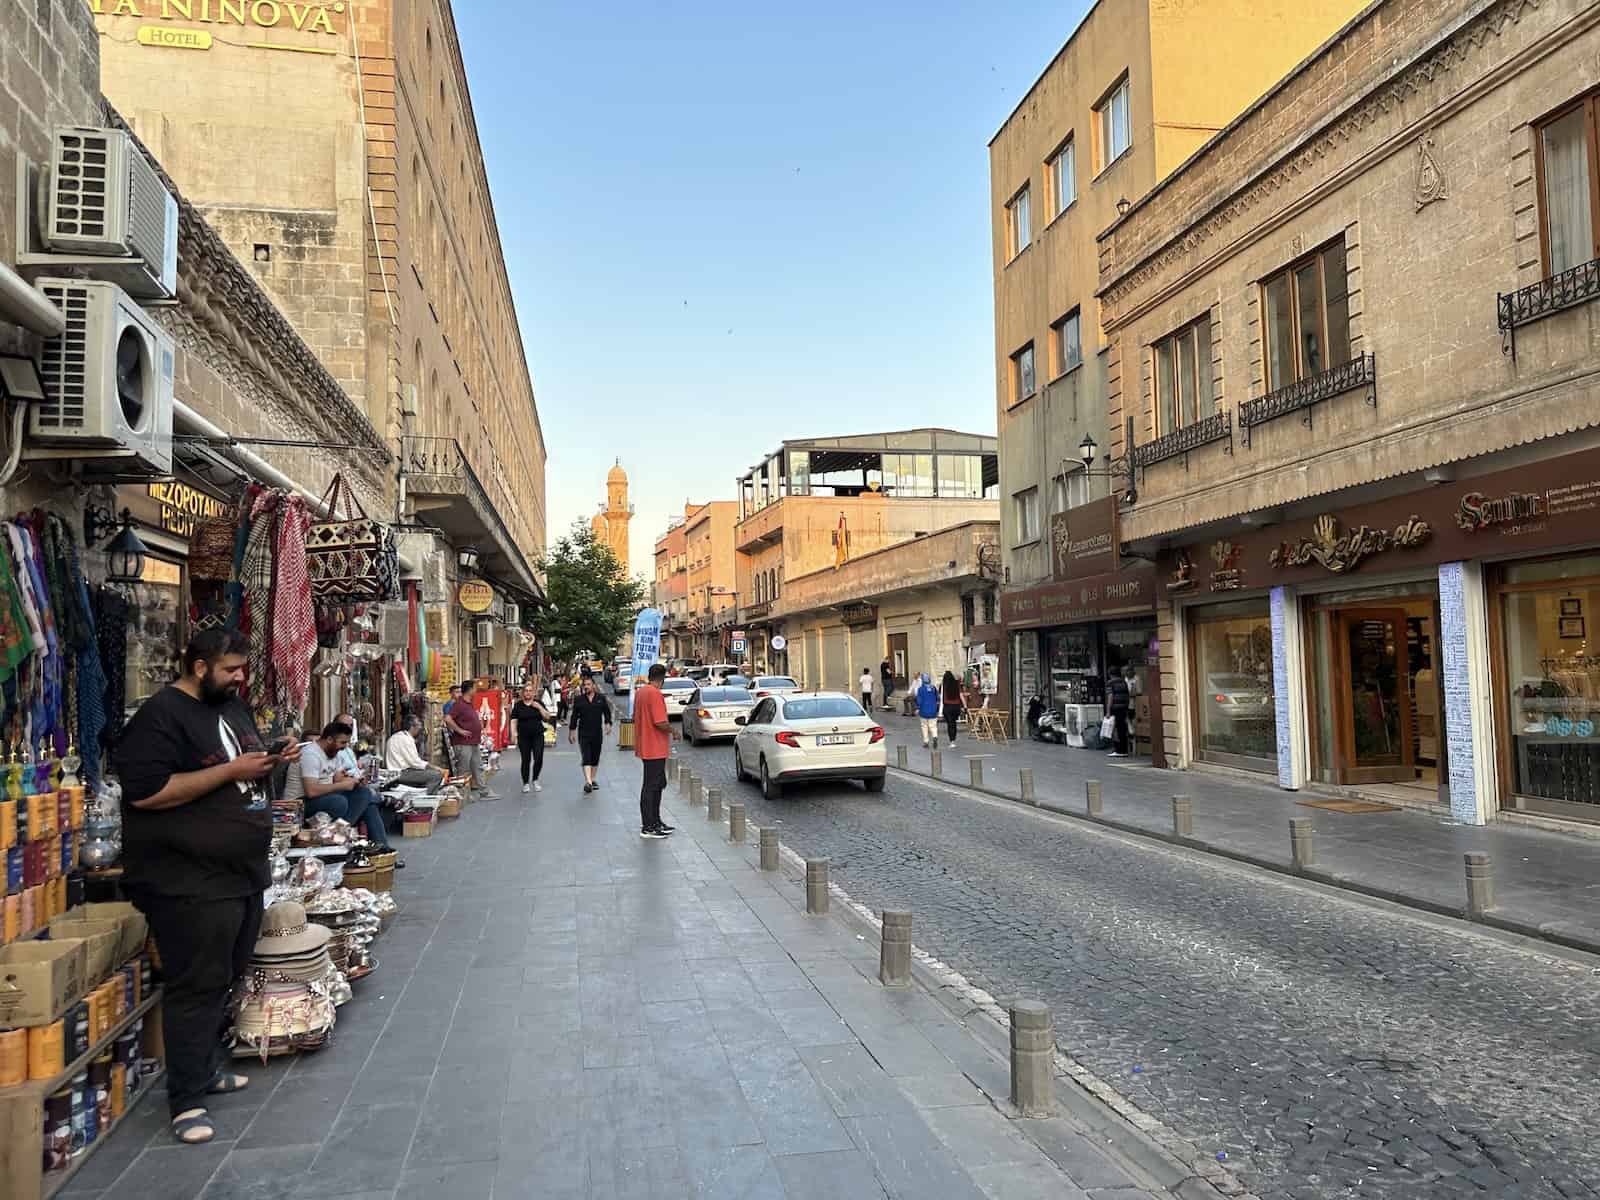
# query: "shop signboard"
1117,593
475,596
1083,540
1540,506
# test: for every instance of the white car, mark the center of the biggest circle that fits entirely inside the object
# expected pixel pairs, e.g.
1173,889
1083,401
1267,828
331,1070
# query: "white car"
763,686
676,692
714,712
796,737
623,680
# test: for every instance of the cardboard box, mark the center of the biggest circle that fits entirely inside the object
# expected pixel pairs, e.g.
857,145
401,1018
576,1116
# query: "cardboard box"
135,930
40,980
101,942
418,829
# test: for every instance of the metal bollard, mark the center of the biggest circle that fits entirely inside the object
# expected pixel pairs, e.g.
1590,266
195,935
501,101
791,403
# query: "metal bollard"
894,950
1182,816
935,764
769,844
697,790
1025,781
1301,849
1480,884
816,886
902,756
736,825
1033,1058
713,804
975,772
1091,796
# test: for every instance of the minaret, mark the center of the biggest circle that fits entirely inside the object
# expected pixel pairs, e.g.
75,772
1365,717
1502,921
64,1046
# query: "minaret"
617,515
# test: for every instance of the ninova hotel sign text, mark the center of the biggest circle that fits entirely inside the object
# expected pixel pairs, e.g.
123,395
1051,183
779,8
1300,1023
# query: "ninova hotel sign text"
250,14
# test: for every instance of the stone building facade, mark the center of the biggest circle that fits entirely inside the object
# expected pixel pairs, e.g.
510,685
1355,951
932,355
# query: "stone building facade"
1355,338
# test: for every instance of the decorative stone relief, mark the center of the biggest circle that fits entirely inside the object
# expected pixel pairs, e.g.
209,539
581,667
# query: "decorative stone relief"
1431,184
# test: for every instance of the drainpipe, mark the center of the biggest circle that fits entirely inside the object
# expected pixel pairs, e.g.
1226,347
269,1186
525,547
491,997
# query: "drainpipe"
23,304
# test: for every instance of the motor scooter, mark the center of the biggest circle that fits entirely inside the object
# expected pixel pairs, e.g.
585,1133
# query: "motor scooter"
1044,724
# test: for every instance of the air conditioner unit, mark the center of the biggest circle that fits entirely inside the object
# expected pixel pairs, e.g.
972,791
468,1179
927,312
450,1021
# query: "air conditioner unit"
106,199
483,635
513,614
408,400
107,379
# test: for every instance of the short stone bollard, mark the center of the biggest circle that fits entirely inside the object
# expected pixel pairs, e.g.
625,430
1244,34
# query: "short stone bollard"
769,846
684,775
816,886
902,757
1480,884
736,822
894,950
975,772
713,804
1025,782
1182,816
1091,797
1301,849
697,791
935,764
1033,1058
672,769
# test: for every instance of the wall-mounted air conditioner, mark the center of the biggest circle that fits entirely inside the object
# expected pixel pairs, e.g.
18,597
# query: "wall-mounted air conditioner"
106,200
483,635
107,381
513,614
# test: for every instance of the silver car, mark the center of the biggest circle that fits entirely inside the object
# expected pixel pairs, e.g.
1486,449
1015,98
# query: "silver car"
714,712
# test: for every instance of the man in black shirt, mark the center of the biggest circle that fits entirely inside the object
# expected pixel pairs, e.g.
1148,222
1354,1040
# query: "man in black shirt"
591,722
196,830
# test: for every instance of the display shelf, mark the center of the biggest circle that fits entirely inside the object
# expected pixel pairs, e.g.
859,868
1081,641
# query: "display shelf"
22,1115
55,1181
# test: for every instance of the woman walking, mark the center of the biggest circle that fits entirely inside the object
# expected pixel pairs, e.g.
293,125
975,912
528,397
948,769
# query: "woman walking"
953,704
591,723
532,709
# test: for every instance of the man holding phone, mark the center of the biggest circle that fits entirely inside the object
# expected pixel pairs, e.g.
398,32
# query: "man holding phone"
196,829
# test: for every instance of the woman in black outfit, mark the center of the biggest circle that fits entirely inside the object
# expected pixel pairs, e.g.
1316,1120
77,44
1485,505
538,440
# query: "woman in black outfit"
591,723
950,686
529,714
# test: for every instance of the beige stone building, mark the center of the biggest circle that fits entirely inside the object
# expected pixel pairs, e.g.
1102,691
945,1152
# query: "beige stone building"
712,599
670,588
1136,89
1355,337
334,149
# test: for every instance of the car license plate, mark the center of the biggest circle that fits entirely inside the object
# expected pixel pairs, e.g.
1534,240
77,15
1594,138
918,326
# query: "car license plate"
834,739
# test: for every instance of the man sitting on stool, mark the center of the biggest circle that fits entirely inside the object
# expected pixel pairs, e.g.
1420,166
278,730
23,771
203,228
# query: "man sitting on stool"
326,788
400,753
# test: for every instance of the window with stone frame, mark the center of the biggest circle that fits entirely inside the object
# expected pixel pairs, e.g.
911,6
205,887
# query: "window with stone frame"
1305,317
1568,165
1183,384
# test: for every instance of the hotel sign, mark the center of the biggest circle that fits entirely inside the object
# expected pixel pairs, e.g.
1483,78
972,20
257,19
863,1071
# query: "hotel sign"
247,14
182,506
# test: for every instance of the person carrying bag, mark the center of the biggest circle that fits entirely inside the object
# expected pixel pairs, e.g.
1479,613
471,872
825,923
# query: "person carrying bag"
953,704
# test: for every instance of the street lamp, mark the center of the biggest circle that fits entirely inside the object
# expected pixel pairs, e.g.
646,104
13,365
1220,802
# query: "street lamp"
467,559
125,553
1116,468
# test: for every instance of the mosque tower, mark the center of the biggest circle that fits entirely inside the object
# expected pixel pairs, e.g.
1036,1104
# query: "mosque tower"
612,524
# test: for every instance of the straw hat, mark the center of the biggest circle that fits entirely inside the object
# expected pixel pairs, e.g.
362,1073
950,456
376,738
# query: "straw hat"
285,933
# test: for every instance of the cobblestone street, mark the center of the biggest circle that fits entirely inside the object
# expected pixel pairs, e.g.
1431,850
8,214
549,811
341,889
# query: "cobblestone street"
1326,1047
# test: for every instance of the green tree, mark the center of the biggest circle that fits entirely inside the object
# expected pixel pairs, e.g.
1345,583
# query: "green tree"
592,603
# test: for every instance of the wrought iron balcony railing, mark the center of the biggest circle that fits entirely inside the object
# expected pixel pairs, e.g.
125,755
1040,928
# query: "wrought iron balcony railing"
1303,394
1574,286
443,465
1215,428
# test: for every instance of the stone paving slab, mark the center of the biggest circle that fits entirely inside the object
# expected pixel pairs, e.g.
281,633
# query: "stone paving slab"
1547,883
565,1010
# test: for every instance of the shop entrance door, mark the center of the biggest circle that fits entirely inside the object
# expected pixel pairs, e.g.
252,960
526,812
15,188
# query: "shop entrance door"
1373,730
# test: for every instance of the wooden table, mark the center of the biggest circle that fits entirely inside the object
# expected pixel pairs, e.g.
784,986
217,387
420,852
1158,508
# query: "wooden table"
989,724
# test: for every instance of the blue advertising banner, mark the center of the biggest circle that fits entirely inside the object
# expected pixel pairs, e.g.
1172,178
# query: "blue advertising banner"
646,649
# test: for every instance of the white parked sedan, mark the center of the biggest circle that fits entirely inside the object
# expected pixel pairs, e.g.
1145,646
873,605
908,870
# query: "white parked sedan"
763,686
797,737
676,692
714,712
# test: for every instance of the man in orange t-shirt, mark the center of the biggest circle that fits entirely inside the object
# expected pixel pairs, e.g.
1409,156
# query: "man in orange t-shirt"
652,743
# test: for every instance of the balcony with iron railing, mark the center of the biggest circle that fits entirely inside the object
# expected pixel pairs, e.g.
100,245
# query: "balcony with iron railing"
1181,441
1574,286
1304,394
445,491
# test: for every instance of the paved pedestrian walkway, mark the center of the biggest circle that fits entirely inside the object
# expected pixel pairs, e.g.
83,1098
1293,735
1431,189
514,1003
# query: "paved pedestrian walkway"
565,1010
1546,884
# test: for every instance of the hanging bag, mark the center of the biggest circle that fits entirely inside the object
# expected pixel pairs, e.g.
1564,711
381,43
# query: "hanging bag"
350,556
211,546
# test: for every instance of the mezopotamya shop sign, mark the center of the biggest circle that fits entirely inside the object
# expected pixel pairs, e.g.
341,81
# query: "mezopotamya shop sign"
256,14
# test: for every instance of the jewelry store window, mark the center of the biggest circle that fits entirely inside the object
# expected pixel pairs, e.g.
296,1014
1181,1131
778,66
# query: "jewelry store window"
1549,676
1234,700
156,630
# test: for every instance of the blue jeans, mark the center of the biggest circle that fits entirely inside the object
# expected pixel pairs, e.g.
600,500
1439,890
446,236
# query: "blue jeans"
359,803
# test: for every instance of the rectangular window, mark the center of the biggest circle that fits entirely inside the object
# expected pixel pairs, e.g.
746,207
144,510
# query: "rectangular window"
1066,347
1306,308
1069,491
1019,225
1025,516
1231,658
1022,378
1060,171
1569,191
961,476
1183,383
1114,123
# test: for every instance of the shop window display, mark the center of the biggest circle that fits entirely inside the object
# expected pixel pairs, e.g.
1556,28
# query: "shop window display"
1553,680
155,631
1232,666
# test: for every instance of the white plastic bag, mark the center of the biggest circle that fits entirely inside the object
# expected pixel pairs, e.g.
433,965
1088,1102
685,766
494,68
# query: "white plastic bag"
1108,728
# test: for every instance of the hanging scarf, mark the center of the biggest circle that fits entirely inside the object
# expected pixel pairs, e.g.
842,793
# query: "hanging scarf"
294,625
234,589
89,721
256,578
16,639
111,625
50,706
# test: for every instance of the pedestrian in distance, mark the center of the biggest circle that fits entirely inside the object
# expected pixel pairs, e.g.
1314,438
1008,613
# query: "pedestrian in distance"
196,834
865,686
590,726
1119,699
466,734
444,723
953,704
928,711
532,709
652,745
886,672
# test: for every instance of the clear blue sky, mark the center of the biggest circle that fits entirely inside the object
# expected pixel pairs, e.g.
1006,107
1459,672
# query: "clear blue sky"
727,224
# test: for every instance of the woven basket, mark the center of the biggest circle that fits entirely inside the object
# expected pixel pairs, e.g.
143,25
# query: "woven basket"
384,880
361,877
